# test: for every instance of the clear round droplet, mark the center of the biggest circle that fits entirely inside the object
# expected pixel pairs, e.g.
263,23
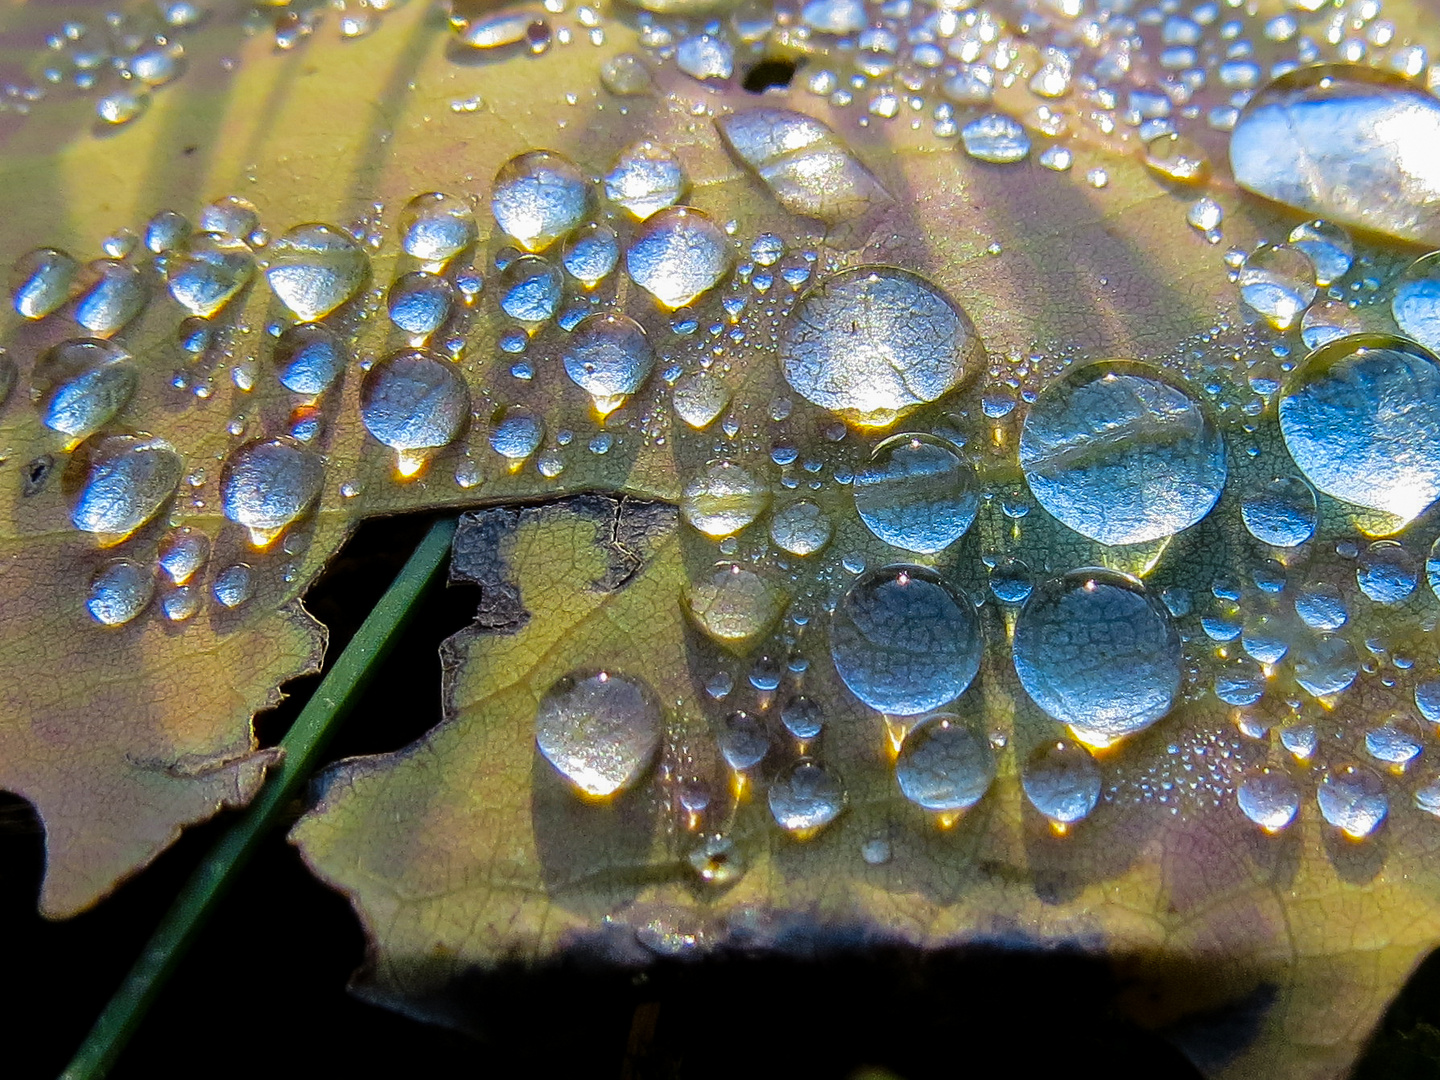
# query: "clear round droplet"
903,641
803,717
1010,580
1386,572
1352,798
1095,650
591,253
315,268
744,741
269,483
1361,419
601,730
646,177
733,605
538,197
530,289
608,356
1277,282
420,302
1325,665
231,216
800,528
917,493
874,342
41,281
1062,781
309,357
111,293
1121,453
1415,302
207,272
83,383
723,499
435,227
414,400
119,591
1327,246
806,797
1281,512
995,138
234,585
517,433
945,764
120,482
678,255
1269,798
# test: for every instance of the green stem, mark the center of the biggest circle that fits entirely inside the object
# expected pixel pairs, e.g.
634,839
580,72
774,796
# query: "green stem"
303,745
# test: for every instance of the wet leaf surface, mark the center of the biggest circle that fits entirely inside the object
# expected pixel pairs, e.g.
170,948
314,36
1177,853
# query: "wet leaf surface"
844,272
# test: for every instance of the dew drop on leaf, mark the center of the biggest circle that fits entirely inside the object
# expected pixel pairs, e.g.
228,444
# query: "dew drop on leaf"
538,197
1062,781
120,482
315,268
945,764
678,255
601,730
917,493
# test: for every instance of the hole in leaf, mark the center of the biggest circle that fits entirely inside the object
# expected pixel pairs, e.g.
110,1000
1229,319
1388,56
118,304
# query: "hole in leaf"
769,72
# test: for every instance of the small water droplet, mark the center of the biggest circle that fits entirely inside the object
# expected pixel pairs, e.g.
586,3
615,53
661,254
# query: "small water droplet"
420,302
732,605
530,289
1352,799
412,401
207,272
119,591
41,281
309,357
800,528
517,433
646,177
591,253
723,499
1269,798
111,293
1281,513
805,798
608,356
995,138
269,483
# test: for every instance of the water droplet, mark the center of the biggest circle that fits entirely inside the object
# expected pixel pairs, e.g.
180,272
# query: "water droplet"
744,741
805,798
493,31
626,75
420,303
800,528
1415,303
1269,798
538,197
1121,453
530,289
995,138
112,293
1325,665
1277,282
903,641
122,106
414,401
1096,651
231,216
608,356
182,555
435,227
803,717
234,585
84,383
309,357
1010,580
806,166
208,272
699,398
875,851
1280,513
41,281
1386,572
1062,781
119,482
723,499
1328,248
1177,158
834,16
646,177
733,606
315,268
1346,143
1326,321
1321,607
874,342
945,764
591,253
1361,418
267,484
517,433
119,591
678,255
166,231
1396,742
600,730
1352,798
917,493
1427,798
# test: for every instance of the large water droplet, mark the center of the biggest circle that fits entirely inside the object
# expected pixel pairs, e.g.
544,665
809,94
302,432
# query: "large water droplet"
1277,283
530,289
995,138
874,342
420,302
119,482
268,483
84,382
1353,799
903,641
1325,665
119,591
1121,453
538,197
1361,418
1415,302
1269,798
806,166
315,268
41,281
800,528
646,177
945,764
723,499
678,255
414,400
112,293
608,356
600,730
591,253
917,493
435,227
1095,650
744,741
1347,143
1280,513
699,398
208,272
1062,781
805,798
309,357
517,433
733,606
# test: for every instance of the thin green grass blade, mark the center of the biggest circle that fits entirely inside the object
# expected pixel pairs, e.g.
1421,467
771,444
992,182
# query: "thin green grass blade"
303,745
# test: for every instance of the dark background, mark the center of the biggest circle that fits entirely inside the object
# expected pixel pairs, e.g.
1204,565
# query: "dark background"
263,990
